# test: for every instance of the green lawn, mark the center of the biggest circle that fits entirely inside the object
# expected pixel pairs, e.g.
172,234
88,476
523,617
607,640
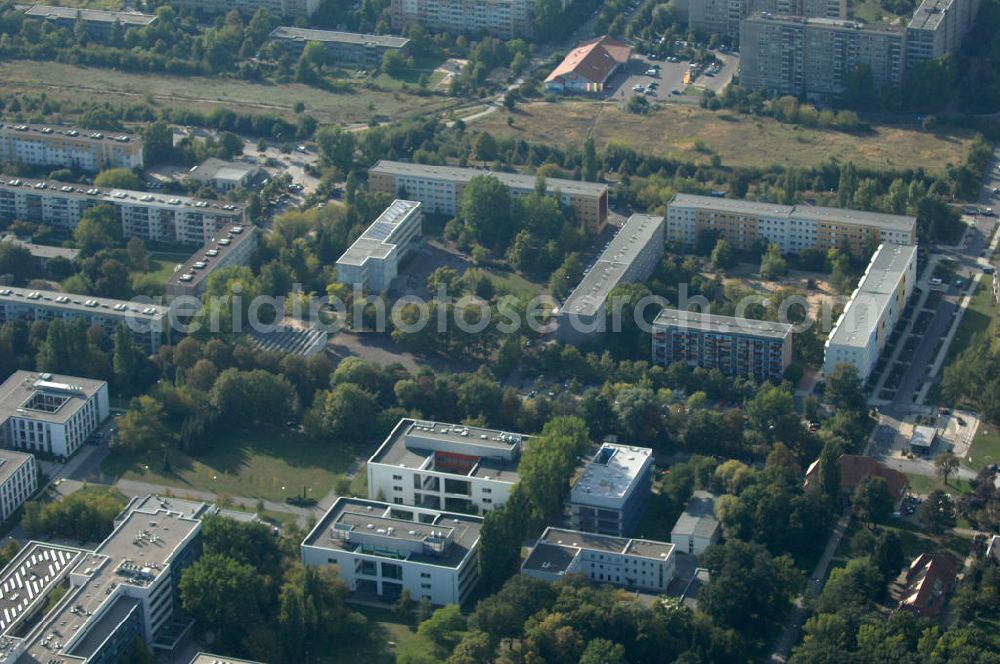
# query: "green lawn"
986,446
978,317
162,265
923,485
254,464
510,283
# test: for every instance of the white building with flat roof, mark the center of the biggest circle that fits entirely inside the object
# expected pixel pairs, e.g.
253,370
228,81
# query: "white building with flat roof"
870,316
697,528
372,261
18,481
49,413
611,491
224,175
634,564
69,147
379,549
442,466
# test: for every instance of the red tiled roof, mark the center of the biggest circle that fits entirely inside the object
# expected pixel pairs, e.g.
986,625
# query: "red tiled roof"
854,468
593,60
928,582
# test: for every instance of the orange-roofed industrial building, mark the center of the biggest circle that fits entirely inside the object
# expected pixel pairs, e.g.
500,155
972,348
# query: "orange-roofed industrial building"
588,67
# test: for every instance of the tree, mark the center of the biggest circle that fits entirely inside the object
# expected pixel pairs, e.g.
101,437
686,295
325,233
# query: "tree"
157,143
722,255
844,388
772,413
485,208
16,260
829,470
118,178
143,426
937,514
602,651
589,163
336,147
858,583
772,264
127,361
393,63
485,146
946,464
85,515
219,591
873,502
345,412
98,228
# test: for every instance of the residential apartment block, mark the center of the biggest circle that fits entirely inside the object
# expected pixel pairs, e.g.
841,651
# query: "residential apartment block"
861,332
723,17
99,24
634,564
379,549
146,322
67,147
52,414
344,47
233,245
792,227
126,588
284,8
18,481
440,188
610,494
735,346
814,57
154,217
697,528
632,256
937,28
500,18
372,261
451,467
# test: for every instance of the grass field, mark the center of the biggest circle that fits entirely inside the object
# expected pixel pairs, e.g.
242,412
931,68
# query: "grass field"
161,265
64,81
923,485
740,140
978,318
511,283
985,448
254,464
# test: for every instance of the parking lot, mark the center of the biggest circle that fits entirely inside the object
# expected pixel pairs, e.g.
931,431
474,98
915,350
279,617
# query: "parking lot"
658,79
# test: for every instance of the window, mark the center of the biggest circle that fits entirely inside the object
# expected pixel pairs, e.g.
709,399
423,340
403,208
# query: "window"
425,586
425,575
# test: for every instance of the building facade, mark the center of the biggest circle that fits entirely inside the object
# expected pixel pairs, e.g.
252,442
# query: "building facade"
284,8
501,18
588,67
870,316
379,549
815,57
99,24
52,414
737,347
148,323
723,17
610,494
632,256
67,147
439,189
233,245
153,217
746,224
697,528
633,564
18,481
451,467
344,47
938,27
372,261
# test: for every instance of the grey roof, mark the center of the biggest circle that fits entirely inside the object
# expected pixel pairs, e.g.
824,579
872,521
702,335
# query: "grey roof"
90,15
809,212
17,390
43,251
45,564
379,238
609,269
559,547
42,131
288,339
208,658
512,180
213,168
204,261
923,436
194,509
612,472
10,461
305,34
722,324
929,14
827,23
85,304
698,518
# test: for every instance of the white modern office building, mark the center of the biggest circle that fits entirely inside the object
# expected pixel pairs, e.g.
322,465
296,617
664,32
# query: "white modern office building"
372,261
697,528
151,216
68,147
451,467
634,564
793,228
632,255
49,413
379,549
862,330
148,323
18,481
611,492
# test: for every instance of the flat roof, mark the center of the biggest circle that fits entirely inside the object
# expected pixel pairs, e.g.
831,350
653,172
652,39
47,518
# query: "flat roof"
512,180
26,579
10,461
610,267
193,509
43,251
807,212
874,292
923,436
698,518
205,261
65,395
43,131
87,304
929,14
722,324
379,238
824,22
214,168
307,35
30,186
371,516
558,547
611,472
91,15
